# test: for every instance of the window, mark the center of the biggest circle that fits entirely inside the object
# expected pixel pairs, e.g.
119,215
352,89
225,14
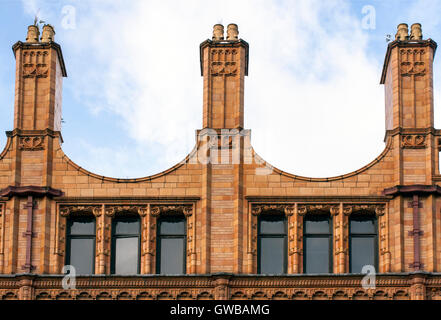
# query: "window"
80,249
317,244
362,242
125,245
272,244
171,245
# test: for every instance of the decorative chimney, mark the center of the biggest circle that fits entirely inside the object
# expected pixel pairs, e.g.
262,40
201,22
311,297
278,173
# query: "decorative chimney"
224,64
48,33
408,79
33,34
402,32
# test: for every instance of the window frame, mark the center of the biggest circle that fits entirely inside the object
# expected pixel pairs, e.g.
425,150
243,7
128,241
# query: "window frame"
69,237
119,236
329,235
159,237
364,235
274,235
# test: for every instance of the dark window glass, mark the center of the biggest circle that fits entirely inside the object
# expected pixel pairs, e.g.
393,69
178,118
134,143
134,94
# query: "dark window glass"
125,245
80,249
172,255
272,244
363,242
172,227
317,244
171,245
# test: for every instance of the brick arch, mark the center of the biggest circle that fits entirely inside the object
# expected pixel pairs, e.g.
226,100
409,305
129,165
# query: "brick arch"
319,295
204,296
43,296
84,296
238,295
360,295
280,295
184,296
124,296
380,295
144,296
104,296
9,296
63,296
300,295
259,295
340,295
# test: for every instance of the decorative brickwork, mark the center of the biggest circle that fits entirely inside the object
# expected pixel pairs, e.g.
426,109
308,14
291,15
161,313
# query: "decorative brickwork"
221,190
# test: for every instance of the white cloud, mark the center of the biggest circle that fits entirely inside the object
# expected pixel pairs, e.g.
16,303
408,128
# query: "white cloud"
312,98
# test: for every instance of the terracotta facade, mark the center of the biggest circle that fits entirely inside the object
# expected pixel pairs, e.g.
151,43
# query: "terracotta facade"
221,188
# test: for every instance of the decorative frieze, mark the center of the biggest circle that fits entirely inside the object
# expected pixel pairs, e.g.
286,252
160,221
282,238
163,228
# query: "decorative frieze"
333,209
287,209
378,209
411,62
223,62
413,141
157,210
112,210
35,64
31,143
67,210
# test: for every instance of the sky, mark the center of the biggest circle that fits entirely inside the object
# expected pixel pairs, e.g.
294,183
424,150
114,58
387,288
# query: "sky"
133,96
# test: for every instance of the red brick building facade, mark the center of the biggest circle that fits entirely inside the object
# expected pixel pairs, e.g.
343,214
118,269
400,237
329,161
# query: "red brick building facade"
247,230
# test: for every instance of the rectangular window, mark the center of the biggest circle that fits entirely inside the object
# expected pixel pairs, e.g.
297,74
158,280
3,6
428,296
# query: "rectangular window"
317,244
362,242
80,244
171,245
125,245
272,248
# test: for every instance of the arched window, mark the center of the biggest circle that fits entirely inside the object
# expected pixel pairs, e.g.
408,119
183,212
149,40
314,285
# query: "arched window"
363,242
80,244
125,245
271,246
317,243
171,245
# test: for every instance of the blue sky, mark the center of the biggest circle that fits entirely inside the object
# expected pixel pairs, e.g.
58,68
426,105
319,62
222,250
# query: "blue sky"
133,96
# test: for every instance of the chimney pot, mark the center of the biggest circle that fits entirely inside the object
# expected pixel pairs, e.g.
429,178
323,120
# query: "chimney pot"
218,32
48,33
402,32
232,31
33,34
416,33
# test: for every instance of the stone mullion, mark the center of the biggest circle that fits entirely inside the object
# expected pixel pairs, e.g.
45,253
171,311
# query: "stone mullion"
2,236
100,257
252,233
294,250
191,222
146,254
383,236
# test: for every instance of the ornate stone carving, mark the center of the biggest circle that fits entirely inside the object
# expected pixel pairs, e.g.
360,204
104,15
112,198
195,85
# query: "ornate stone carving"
412,64
333,209
287,209
378,209
112,210
66,211
413,141
223,62
157,210
31,143
35,64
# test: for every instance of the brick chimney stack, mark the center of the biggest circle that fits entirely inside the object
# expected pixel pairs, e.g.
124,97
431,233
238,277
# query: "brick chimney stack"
224,64
39,76
408,79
